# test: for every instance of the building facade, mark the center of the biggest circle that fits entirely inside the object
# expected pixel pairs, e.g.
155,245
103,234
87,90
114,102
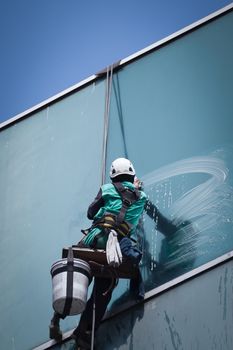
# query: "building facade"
169,109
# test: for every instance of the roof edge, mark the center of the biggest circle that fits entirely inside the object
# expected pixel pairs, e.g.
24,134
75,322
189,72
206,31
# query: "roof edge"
120,63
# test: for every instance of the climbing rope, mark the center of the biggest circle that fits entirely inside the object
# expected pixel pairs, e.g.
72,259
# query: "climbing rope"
108,90
116,88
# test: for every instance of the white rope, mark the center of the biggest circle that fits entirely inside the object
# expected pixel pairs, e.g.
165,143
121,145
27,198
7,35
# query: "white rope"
106,119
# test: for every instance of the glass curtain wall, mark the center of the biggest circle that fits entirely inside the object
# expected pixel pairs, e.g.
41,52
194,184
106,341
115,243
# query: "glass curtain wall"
50,170
171,114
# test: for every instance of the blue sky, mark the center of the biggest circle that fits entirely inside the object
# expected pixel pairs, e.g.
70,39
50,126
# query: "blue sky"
50,45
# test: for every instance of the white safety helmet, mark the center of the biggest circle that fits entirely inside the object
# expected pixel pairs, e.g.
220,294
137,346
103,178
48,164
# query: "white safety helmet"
121,166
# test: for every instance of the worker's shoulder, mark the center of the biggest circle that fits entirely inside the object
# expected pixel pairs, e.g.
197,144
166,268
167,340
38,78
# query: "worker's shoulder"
107,187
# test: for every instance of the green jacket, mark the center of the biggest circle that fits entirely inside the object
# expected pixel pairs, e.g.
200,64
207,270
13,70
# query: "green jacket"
108,200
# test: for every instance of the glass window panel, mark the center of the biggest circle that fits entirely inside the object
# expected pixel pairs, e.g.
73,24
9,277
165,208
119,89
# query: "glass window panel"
50,172
171,114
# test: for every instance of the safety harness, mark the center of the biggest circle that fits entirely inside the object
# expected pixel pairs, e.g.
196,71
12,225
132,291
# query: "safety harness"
128,197
116,222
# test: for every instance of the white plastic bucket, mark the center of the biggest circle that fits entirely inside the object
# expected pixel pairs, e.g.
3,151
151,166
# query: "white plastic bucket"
70,280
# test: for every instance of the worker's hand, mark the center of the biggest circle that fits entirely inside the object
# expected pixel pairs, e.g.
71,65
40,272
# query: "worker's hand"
138,183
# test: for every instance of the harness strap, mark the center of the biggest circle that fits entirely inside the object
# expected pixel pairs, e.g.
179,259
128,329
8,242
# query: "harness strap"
110,221
128,197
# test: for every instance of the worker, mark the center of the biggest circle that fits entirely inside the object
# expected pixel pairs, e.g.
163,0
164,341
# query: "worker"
116,209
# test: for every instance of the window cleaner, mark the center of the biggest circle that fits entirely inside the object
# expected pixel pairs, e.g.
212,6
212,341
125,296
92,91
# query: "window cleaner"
115,213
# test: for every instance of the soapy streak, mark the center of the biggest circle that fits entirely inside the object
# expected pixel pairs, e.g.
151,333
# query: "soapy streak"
204,199
205,206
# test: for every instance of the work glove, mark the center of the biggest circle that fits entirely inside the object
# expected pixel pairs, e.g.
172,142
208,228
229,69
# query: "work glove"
113,250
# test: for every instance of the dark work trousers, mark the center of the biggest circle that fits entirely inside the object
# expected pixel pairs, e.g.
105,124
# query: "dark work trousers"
101,285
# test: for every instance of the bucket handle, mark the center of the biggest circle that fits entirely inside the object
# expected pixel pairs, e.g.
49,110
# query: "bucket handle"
69,285
70,257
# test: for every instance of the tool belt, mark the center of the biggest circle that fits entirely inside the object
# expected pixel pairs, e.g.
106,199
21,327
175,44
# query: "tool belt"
109,221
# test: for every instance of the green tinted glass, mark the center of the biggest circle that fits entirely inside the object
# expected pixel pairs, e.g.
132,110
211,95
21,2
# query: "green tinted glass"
50,172
171,115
